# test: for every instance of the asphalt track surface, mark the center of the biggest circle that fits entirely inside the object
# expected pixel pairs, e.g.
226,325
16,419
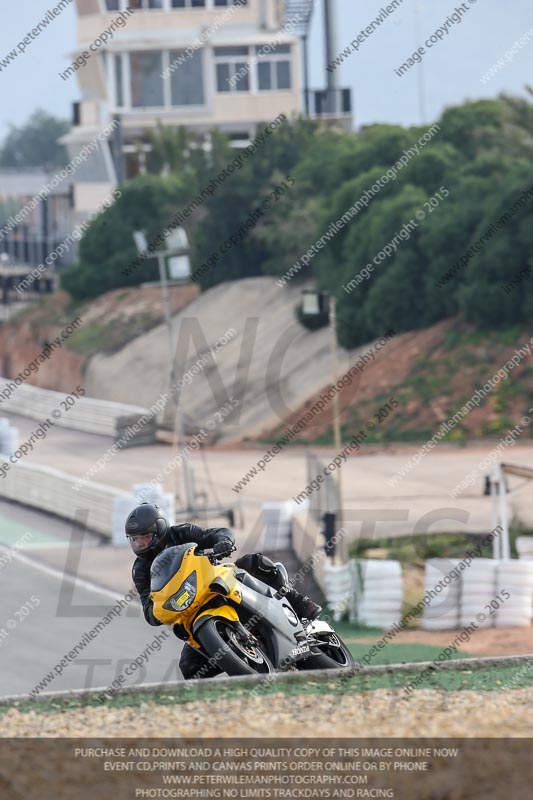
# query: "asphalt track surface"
397,510
34,640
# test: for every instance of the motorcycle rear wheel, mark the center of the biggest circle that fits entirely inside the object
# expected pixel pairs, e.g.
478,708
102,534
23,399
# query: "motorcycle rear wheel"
330,653
219,639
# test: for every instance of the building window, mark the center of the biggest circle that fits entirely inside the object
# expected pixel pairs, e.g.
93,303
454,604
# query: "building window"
140,5
145,5
238,137
188,3
232,69
186,82
146,80
273,68
283,74
140,81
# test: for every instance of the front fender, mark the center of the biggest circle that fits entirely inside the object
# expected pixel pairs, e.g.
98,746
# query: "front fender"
226,612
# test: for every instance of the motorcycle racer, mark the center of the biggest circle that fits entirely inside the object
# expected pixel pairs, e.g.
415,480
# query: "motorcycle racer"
149,533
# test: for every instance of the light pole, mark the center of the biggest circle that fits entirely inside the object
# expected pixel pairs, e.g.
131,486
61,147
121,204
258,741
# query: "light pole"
175,270
330,53
319,303
176,260
501,547
5,299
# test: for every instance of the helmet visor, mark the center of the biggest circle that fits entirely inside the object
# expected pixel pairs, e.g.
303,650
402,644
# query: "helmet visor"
141,542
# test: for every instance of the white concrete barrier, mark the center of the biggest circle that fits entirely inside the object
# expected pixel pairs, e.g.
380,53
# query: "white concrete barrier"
524,546
9,437
338,588
478,590
87,414
515,578
51,490
443,610
488,593
378,591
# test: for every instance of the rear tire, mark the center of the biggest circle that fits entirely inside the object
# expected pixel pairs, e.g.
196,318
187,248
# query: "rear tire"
331,653
219,639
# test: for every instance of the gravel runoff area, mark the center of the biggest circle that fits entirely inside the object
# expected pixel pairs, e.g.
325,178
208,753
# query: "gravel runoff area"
380,713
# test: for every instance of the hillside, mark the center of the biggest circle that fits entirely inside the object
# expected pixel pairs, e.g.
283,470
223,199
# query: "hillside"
430,372
266,359
107,324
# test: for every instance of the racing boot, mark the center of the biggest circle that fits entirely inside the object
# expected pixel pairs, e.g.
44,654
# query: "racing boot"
303,605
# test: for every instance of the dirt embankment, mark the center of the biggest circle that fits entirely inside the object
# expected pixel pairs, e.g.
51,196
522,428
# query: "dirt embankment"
275,368
108,323
432,373
389,368
23,339
265,359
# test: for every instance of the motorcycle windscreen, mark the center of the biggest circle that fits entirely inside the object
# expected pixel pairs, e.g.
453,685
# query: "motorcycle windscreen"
166,565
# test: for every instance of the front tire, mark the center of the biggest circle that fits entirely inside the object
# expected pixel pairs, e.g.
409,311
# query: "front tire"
219,638
329,653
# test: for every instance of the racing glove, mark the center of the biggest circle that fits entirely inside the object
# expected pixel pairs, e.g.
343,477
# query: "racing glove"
223,548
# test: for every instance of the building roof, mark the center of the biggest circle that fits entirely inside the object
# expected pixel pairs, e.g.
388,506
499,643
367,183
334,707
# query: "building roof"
171,38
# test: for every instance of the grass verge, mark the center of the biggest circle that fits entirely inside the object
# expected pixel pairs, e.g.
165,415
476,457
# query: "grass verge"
490,679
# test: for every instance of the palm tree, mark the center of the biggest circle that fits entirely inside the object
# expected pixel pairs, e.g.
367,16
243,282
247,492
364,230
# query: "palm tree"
518,125
171,149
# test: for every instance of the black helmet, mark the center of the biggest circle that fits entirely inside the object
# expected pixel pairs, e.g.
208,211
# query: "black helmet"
146,529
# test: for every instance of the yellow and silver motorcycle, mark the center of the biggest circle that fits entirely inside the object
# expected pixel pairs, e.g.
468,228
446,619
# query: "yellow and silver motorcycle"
238,621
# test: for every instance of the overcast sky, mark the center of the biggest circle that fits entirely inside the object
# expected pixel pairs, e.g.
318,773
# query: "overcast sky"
451,69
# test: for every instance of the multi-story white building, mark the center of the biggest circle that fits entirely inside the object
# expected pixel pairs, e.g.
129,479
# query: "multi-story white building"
204,64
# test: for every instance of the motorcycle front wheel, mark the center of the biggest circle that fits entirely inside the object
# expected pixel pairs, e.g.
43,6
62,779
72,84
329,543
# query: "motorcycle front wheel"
329,652
235,656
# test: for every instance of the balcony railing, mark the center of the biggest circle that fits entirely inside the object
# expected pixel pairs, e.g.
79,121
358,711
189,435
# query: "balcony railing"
299,13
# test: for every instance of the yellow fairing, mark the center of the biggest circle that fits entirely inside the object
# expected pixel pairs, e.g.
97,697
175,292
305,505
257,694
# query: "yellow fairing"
206,573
